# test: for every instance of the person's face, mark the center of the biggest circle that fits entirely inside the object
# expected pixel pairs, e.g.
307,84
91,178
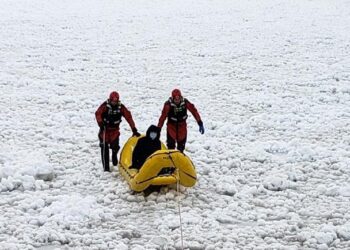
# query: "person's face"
114,101
153,135
177,99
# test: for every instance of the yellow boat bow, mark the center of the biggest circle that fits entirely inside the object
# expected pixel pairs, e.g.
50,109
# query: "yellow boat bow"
163,167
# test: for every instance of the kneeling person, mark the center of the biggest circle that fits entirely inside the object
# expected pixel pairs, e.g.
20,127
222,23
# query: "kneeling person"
146,146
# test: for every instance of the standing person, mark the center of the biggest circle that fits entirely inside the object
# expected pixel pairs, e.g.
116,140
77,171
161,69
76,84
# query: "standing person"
109,116
175,110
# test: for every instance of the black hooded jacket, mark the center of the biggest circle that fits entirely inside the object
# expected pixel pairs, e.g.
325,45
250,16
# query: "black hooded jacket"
145,147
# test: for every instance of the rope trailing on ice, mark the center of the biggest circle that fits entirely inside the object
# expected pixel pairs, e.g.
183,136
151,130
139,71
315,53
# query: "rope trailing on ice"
177,175
179,205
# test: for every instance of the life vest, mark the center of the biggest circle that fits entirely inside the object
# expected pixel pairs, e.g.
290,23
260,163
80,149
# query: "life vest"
177,113
113,116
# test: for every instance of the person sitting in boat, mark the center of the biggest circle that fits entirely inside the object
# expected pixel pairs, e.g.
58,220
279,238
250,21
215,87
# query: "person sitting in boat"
146,146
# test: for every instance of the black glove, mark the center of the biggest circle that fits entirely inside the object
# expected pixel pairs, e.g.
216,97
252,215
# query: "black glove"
201,127
135,133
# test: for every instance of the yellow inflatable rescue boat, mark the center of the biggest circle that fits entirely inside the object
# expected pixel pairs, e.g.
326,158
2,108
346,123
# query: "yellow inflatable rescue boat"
163,167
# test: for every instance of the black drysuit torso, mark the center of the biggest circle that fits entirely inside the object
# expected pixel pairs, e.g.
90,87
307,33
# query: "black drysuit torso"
145,147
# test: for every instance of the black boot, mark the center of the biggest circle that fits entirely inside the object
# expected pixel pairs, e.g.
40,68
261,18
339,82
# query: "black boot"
105,157
115,157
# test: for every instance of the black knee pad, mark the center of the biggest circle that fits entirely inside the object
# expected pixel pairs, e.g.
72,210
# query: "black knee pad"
181,145
170,145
